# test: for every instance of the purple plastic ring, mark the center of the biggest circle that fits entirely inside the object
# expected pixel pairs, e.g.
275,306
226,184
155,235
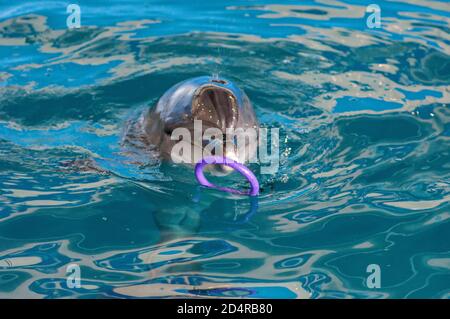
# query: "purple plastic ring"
241,168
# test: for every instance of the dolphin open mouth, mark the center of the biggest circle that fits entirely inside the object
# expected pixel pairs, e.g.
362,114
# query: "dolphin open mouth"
215,106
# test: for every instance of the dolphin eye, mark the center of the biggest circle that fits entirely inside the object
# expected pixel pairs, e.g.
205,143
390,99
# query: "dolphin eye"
168,130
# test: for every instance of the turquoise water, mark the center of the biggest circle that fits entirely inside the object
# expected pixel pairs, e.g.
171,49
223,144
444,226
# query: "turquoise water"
364,151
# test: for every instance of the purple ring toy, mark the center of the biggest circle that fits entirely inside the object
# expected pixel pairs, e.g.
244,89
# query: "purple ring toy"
241,168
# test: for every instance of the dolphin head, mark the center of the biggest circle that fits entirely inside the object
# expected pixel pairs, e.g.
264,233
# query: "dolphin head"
220,106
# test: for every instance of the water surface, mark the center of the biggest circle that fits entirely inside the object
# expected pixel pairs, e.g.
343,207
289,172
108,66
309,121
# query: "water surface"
364,153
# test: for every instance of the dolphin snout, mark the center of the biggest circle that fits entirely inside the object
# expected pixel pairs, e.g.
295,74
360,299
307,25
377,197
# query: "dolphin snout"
223,170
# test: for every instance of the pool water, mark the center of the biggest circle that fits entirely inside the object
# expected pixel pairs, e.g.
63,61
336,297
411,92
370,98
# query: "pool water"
364,175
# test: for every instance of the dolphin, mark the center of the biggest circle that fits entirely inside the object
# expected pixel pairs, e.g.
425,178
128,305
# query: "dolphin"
217,102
